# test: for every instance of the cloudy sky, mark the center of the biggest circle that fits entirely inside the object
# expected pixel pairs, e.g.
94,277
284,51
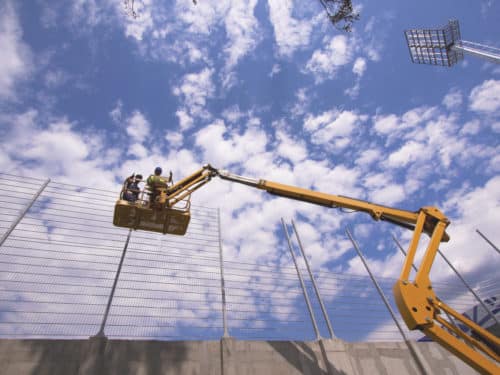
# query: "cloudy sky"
267,89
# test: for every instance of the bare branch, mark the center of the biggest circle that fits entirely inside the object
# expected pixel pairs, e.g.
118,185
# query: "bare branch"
129,8
340,13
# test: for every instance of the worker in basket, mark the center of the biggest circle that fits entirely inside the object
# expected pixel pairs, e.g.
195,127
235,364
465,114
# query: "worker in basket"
132,189
157,183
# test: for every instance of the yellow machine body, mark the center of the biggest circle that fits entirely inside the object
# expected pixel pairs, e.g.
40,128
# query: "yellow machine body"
136,216
420,308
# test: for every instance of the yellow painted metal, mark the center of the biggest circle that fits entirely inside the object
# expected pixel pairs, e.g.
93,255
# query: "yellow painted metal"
475,327
376,211
420,308
412,250
416,300
136,216
471,341
479,360
169,213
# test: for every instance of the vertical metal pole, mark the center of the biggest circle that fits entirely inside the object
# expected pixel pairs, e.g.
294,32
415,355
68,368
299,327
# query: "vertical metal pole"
222,283
469,288
323,309
23,212
411,348
380,292
110,300
299,275
487,240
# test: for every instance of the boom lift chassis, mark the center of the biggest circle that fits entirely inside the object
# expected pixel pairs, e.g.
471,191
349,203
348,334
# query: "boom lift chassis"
418,304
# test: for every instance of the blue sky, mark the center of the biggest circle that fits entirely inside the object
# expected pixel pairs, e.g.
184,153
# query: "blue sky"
267,89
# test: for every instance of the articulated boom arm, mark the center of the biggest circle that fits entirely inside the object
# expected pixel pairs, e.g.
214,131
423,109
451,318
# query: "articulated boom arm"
416,300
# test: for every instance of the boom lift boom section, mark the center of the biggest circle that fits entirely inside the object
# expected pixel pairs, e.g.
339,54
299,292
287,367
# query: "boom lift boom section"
420,308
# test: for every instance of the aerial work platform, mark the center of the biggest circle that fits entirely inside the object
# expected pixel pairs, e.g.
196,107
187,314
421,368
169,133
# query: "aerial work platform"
162,207
136,216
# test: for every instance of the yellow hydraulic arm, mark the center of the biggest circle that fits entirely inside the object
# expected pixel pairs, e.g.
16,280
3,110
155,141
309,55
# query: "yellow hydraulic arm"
416,300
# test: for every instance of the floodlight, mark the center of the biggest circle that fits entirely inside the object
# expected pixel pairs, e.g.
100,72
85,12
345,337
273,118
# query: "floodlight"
445,46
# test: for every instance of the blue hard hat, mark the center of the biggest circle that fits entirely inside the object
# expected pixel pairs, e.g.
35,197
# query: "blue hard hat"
157,170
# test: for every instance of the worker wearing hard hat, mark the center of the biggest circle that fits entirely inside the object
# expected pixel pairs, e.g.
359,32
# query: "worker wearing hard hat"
156,181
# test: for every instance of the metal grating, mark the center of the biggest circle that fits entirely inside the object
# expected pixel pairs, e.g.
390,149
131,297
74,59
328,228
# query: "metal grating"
434,46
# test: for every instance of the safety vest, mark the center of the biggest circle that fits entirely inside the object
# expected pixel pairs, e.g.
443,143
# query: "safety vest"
156,181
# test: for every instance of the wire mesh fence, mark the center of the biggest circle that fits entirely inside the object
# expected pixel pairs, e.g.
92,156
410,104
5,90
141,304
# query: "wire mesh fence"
59,264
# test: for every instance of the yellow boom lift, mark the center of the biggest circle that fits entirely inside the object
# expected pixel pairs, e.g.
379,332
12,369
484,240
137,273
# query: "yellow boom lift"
418,304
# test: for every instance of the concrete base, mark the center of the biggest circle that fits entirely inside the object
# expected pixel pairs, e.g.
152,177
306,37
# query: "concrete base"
226,357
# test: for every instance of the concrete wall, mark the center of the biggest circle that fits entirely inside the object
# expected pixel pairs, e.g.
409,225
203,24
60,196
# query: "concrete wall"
226,357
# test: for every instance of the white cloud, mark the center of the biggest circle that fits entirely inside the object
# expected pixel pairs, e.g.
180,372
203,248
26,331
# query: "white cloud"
358,69
137,150
353,91
324,63
301,102
416,116
241,30
390,266
202,18
195,89
477,208
290,33
389,194
392,124
174,139
221,147
15,59
485,97
368,157
440,134
275,70
291,149
375,180
470,128
321,177
198,24
411,151
359,66
332,124
137,126
138,26
56,78
233,114
386,124
453,99
185,120
90,12
56,151
116,113
494,163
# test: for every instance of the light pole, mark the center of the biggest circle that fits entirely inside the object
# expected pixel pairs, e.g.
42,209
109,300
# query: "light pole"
445,46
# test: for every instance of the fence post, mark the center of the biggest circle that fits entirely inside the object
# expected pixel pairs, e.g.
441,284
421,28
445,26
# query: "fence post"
323,309
222,283
110,299
299,275
469,288
487,240
416,356
23,212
